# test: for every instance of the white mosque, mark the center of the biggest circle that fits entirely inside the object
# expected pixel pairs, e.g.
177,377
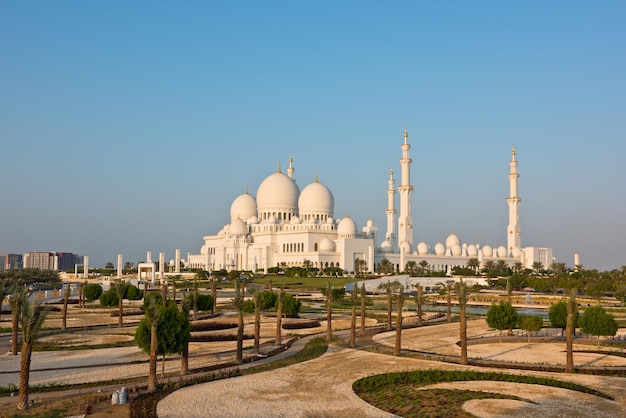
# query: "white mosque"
284,226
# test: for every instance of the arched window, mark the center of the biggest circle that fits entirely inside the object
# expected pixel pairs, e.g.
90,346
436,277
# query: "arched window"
315,247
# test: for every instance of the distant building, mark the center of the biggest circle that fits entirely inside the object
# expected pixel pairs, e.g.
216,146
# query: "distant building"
11,261
47,260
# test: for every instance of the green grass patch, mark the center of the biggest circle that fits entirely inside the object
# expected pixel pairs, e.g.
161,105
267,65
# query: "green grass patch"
396,392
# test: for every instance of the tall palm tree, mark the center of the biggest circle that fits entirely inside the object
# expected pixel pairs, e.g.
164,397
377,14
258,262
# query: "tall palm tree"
411,268
423,267
400,306
31,320
473,264
195,299
81,294
462,291
449,300
569,331
4,291
363,294
184,359
214,295
537,266
66,297
152,316
279,316
16,300
120,289
329,312
256,298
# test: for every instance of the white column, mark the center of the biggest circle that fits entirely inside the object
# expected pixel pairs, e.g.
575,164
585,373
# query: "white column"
149,257
177,266
208,261
161,267
405,220
513,229
119,266
391,211
86,264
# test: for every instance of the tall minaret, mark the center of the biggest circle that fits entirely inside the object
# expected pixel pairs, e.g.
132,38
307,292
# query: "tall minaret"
513,230
391,211
290,168
405,221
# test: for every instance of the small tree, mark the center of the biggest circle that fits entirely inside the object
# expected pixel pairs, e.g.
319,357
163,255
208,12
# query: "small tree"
184,359
31,320
419,300
449,300
291,305
256,298
530,323
400,306
462,291
354,297
203,302
92,292
501,316
596,321
66,297
363,294
120,291
558,315
572,315
238,303
109,298
4,291
133,292
279,315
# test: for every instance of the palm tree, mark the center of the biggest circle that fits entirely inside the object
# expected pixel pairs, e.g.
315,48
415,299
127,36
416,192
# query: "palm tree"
329,312
537,266
385,266
569,331
473,264
411,268
360,267
184,359
120,289
354,296
517,267
152,316
4,291
489,267
214,295
195,299
66,297
363,293
279,315
81,294
16,300
400,306
31,320
256,298
462,291
423,267
449,299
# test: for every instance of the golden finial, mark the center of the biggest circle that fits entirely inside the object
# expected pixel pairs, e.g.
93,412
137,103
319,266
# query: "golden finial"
316,177
406,133
279,167
513,151
246,189
290,158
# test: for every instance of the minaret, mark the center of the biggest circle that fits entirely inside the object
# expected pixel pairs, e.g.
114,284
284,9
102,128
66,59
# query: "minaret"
391,211
290,169
513,230
405,221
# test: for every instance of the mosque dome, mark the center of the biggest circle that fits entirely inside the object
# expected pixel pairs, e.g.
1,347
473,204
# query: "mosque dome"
316,199
295,220
406,247
422,248
238,227
253,220
472,251
439,249
516,252
346,228
369,223
386,247
243,207
487,251
502,252
327,245
277,194
456,250
452,240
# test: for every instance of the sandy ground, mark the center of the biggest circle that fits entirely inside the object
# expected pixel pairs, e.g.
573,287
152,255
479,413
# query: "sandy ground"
323,387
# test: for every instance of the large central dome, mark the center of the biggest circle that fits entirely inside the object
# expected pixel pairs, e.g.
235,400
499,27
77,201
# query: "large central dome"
278,196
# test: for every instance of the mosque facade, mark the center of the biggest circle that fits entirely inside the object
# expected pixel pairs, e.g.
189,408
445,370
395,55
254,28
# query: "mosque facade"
284,226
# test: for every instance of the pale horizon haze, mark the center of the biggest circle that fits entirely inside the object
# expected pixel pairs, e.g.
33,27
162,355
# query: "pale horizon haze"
128,127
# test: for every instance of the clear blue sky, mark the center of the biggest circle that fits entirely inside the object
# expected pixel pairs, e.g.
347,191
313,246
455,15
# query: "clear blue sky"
131,126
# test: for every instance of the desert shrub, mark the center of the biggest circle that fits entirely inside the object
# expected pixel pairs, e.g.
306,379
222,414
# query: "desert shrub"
205,302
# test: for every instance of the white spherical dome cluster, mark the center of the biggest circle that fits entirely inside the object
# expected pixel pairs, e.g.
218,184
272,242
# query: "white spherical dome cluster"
452,240
502,252
386,247
326,245
472,251
316,200
487,251
422,248
238,227
277,194
244,207
456,250
405,247
346,228
440,249
516,252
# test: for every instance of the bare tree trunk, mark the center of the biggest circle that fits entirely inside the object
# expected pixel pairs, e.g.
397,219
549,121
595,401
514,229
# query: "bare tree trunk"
329,313
279,319
239,359
388,307
81,295
257,324
419,305
120,313
195,300
214,296
449,299
145,290
363,309
353,323
463,331
569,332
65,301
174,291
22,399
400,305
152,374
15,317
164,293
184,360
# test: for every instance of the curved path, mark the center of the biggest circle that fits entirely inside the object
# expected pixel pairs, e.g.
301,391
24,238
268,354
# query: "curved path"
323,387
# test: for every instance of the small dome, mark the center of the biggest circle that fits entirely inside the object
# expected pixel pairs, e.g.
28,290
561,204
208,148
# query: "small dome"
238,227
502,252
405,246
243,207
316,199
271,219
346,227
230,262
422,248
452,240
386,247
330,220
456,250
487,251
440,249
369,223
327,245
516,252
253,220
472,251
